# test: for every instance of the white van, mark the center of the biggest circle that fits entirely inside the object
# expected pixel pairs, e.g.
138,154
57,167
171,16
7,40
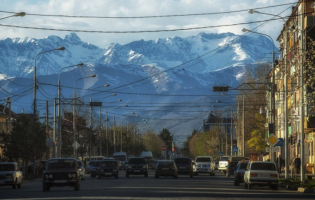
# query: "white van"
122,157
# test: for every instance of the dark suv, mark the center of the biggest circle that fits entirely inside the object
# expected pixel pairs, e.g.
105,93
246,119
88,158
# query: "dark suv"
61,172
137,166
184,166
94,168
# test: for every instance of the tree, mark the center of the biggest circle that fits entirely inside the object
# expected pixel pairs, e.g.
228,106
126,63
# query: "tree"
257,140
26,140
167,138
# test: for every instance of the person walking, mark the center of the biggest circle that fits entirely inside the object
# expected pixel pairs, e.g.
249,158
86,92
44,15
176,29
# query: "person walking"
297,164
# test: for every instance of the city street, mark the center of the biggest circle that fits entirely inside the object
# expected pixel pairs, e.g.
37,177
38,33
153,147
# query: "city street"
139,187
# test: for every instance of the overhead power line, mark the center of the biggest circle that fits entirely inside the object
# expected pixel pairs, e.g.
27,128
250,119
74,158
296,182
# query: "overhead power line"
151,16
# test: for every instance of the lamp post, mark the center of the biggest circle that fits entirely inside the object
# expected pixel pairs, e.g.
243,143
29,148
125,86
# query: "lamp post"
100,140
35,86
272,95
73,117
115,127
286,133
59,113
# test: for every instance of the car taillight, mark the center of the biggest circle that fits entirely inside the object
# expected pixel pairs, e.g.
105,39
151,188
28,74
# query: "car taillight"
228,169
273,176
253,175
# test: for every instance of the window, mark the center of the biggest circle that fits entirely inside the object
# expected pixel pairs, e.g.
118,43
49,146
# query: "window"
263,166
182,161
108,164
7,167
165,164
64,164
136,161
205,159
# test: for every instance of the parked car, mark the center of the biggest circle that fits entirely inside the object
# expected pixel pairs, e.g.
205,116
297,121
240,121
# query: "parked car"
203,165
261,173
108,168
94,168
61,172
82,170
166,168
239,173
10,175
231,168
184,166
137,166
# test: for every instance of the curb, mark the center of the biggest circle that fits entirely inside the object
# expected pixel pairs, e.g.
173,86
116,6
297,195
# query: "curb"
304,190
288,187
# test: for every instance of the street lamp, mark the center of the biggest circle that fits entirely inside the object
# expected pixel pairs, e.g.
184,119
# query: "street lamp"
272,95
35,86
20,14
115,127
73,117
59,114
286,135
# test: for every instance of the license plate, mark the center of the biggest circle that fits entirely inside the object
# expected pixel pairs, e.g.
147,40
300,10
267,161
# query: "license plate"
60,181
137,170
108,173
165,169
264,175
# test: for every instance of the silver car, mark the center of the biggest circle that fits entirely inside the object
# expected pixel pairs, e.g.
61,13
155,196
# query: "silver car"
82,170
203,165
10,175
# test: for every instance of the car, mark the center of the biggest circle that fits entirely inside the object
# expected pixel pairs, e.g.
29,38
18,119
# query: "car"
239,173
82,170
261,173
231,168
122,157
137,166
60,172
223,163
108,168
166,168
94,168
39,166
184,166
148,156
89,166
203,165
10,175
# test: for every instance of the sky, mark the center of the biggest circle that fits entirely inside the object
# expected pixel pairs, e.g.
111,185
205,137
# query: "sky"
135,8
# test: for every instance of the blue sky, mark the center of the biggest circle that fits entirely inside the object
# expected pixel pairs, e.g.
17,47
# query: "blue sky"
127,8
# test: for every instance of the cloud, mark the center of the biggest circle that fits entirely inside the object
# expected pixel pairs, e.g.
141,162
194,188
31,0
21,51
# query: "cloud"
124,8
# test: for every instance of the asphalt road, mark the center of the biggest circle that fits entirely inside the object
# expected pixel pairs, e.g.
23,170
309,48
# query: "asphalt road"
139,187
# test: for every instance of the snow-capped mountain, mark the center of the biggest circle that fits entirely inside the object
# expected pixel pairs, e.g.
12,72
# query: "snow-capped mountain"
169,66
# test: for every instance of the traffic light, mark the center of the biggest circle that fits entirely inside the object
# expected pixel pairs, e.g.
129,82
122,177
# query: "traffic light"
173,150
209,150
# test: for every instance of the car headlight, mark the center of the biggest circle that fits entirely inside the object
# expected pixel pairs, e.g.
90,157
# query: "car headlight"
72,175
114,170
101,170
48,176
129,167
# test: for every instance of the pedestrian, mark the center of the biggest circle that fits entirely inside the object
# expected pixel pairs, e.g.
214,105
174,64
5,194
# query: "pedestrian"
297,164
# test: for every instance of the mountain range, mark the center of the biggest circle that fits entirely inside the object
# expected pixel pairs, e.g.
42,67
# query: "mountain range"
167,81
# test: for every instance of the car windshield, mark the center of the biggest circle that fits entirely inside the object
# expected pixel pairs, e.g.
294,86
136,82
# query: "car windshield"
239,158
233,164
7,167
263,166
165,164
182,161
243,165
203,159
136,161
96,164
224,158
61,164
108,164
120,158
79,163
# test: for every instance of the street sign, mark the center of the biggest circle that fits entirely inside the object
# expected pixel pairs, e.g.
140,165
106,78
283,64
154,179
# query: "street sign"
163,148
273,149
235,149
95,103
272,140
76,145
220,153
169,152
280,143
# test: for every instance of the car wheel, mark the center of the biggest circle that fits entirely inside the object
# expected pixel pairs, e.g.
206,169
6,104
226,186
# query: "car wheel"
275,187
14,185
156,176
146,174
213,174
245,185
174,177
127,174
224,172
45,187
236,183
99,177
191,175
83,179
116,176
196,174
249,186
227,175
77,187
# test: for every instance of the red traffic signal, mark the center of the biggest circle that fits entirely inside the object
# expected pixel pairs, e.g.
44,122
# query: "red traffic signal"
173,150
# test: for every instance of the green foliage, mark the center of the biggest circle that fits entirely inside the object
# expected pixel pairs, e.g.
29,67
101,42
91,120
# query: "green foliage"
27,140
167,138
309,74
257,140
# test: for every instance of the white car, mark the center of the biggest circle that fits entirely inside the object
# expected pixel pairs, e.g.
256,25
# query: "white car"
261,173
82,169
203,165
223,164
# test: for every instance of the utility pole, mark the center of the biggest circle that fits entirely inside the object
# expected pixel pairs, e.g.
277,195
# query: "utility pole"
107,134
47,132
302,113
100,132
114,136
226,135
243,148
231,131
54,132
121,125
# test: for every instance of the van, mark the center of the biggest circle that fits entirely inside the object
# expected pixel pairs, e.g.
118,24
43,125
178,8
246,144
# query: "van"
122,157
148,156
